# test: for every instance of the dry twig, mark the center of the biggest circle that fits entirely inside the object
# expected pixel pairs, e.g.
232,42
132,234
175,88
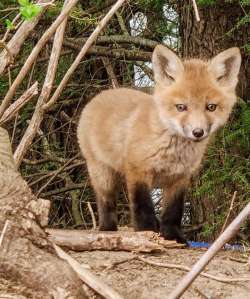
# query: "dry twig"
185,268
55,174
196,11
88,277
46,36
4,231
14,45
18,104
38,114
229,212
83,52
92,215
210,253
110,72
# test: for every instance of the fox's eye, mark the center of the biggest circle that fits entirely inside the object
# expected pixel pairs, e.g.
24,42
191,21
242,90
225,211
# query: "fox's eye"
181,107
211,107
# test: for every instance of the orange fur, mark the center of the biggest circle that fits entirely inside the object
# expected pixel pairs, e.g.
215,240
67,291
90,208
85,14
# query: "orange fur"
144,138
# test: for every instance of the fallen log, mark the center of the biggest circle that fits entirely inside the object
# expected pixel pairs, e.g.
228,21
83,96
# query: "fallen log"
81,240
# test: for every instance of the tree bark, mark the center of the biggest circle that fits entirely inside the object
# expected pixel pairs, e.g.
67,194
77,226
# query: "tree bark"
26,255
217,31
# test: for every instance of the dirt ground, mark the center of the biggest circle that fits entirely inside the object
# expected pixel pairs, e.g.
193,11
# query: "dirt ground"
135,279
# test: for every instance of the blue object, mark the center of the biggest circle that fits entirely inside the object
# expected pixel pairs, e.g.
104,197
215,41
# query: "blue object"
234,247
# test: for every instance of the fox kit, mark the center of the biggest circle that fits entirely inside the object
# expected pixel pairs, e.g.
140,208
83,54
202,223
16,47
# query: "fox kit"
158,140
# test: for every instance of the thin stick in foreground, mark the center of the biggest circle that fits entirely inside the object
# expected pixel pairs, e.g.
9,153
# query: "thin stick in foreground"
83,52
210,253
88,277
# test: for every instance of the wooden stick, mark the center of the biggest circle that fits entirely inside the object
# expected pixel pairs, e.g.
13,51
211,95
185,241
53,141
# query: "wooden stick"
43,40
14,45
110,71
185,268
83,52
196,11
92,215
88,277
4,231
55,174
38,114
229,212
210,253
18,104
2,44
80,240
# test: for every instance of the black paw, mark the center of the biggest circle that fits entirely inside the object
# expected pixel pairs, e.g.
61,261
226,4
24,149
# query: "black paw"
150,222
172,232
108,226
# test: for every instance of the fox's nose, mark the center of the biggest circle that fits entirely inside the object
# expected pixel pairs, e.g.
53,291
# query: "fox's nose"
198,133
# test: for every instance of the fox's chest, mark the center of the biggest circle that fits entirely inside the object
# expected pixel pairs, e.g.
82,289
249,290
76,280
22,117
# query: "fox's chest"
180,159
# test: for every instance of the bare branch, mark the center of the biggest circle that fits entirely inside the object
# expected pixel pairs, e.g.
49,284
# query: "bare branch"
88,277
83,52
92,215
4,231
185,268
23,72
110,72
210,253
196,11
120,39
114,53
14,45
229,212
18,104
48,83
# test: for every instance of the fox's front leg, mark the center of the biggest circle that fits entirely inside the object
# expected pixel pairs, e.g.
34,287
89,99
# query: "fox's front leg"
141,205
173,204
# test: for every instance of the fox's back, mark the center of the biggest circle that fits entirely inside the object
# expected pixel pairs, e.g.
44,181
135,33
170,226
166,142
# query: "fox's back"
105,122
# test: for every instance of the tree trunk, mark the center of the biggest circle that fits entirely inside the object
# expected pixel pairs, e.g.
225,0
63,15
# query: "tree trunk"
218,30
26,255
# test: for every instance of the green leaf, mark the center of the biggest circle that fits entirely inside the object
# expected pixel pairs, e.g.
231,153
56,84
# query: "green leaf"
24,2
9,24
30,11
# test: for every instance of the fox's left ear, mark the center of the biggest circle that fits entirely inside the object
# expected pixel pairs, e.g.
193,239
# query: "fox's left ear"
225,67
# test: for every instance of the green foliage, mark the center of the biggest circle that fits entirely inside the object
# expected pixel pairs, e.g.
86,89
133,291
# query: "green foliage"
9,24
245,2
28,10
206,2
152,4
226,169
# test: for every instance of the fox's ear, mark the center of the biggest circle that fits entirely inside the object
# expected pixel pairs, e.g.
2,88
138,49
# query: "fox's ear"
226,66
167,66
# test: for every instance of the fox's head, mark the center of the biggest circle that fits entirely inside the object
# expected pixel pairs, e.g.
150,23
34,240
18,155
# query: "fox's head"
195,97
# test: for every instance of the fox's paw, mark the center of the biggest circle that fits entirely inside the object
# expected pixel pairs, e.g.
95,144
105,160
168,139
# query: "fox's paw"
172,232
151,222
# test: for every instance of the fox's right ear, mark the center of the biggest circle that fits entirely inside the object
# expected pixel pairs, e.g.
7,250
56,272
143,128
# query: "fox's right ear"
167,66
